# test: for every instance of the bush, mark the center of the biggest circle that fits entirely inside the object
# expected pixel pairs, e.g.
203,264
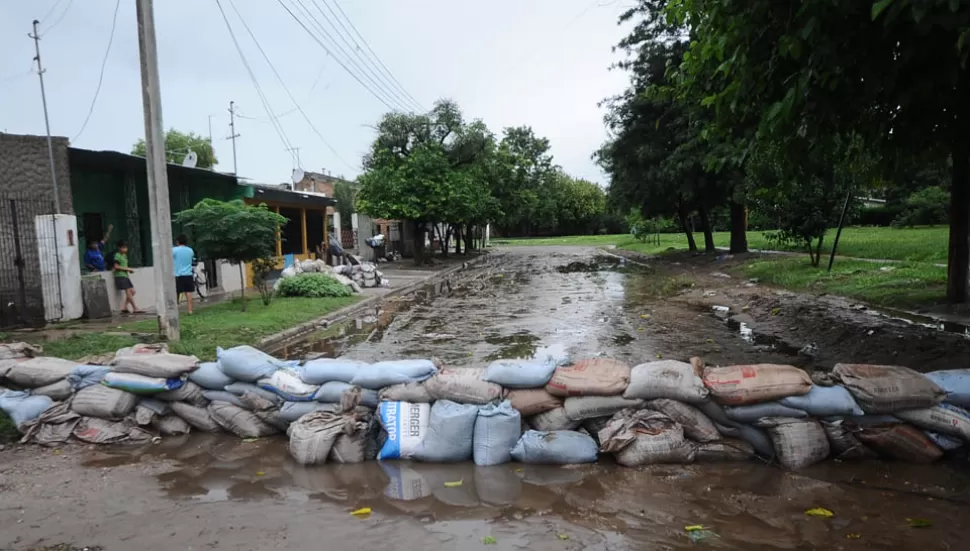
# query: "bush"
926,207
878,216
312,286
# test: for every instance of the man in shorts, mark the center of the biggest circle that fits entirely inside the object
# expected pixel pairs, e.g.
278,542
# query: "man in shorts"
122,275
183,256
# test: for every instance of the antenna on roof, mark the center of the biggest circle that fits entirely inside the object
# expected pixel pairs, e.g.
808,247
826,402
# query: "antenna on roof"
298,175
190,160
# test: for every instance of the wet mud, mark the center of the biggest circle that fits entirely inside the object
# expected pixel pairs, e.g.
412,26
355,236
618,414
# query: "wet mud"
218,492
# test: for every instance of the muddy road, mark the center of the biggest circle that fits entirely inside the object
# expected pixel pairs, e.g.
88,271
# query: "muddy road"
217,492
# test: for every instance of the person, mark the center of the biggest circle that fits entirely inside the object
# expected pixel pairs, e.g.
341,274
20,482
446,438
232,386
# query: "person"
122,275
183,256
335,249
94,256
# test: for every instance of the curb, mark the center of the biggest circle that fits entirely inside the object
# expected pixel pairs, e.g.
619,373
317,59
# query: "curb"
370,302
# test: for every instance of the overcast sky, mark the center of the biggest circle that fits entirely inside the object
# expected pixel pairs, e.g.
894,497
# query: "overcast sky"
543,63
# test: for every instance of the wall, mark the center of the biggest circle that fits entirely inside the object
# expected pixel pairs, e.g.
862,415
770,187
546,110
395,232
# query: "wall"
144,281
25,168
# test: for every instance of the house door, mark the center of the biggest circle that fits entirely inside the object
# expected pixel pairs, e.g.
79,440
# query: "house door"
22,286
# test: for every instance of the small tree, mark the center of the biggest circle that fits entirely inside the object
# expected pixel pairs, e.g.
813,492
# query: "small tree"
232,230
261,270
177,146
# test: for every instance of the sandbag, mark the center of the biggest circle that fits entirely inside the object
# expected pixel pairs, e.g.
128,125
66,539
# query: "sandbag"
944,419
143,416
381,374
533,401
553,420
352,445
561,447
83,376
590,377
515,373
197,417
325,370
155,406
956,384
644,437
405,392
824,401
17,350
900,441
406,425
161,366
38,372
760,441
697,426
888,388
463,385
21,407
750,384
54,426
595,425
142,349
843,443
726,449
369,398
313,435
61,390
666,379
292,411
103,402
102,431
139,384
241,422
750,414
285,383
579,408
798,443
245,363
171,425
240,389
188,392
210,377
497,429
944,442
332,392
223,396
451,428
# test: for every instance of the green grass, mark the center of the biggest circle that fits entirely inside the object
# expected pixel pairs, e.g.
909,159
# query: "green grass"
8,432
565,240
219,325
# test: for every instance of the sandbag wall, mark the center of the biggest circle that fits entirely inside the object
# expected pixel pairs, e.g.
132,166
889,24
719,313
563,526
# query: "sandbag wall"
538,411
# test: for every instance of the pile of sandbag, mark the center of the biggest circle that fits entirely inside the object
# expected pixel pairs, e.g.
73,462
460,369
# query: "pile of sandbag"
340,273
364,274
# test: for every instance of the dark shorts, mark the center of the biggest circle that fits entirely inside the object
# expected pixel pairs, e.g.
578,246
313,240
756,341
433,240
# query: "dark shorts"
184,284
122,283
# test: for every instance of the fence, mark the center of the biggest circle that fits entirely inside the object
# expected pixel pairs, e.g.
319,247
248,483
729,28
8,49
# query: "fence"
29,263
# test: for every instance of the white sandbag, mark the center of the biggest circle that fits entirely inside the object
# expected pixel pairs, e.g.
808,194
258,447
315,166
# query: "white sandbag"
313,435
405,392
754,412
332,392
562,447
197,417
162,366
188,392
900,441
241,422
102,431
497,430
245,363
171,425
533,401
666,379
292,411
223,396
887,388
590,377
944,419
515,373
944,442
451,428
325,370
210,377
824,401
697,426
21,407
287,384
798,443
956,384
843,443
579,408
103,402
17,350
381,374
750,384
239,389
38,372
406,425
463,385
143,416
83,376
61,390
553,420
726,449
139,384
644,437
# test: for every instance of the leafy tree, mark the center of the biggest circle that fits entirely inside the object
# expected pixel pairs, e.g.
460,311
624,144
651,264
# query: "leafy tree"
232,230
177,146
925,207
345,193
523,181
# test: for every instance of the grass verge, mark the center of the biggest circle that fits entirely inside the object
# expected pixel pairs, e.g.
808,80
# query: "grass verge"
8,432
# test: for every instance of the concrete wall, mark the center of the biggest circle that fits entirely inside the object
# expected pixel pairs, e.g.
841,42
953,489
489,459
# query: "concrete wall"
144,281
25,168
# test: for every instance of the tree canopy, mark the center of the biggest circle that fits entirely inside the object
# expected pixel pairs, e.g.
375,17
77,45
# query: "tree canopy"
177,146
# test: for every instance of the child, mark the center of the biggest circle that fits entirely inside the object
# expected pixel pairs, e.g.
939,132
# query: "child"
122,279
94,256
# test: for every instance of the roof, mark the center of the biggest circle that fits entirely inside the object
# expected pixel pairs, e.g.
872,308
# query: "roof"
282,195
116,159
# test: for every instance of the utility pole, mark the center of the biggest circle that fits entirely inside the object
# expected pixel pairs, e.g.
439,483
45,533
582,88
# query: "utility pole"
47,122
233,135
297,151
161,216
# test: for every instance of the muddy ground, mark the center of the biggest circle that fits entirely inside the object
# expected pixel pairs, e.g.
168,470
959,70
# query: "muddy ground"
216,492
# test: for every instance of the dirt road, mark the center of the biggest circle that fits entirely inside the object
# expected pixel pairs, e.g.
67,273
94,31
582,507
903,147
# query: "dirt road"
217,492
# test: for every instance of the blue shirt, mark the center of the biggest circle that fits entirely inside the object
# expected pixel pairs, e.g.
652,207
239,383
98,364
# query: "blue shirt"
94,257
182,256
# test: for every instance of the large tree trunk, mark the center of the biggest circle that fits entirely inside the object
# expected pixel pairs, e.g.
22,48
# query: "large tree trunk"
706,227
958,262
739,228
469,235
456,230
682,216
419,229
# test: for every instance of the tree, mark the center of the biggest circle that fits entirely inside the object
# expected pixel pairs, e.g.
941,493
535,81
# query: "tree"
232,230
523,179
345,193
177,146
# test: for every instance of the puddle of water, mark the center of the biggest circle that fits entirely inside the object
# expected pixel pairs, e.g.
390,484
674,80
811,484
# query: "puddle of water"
924,321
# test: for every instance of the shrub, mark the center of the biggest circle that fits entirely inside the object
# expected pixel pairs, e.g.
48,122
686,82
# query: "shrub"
262,267
313,286
926,207
877,216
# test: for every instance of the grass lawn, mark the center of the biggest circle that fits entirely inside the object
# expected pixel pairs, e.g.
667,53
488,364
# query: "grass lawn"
219,325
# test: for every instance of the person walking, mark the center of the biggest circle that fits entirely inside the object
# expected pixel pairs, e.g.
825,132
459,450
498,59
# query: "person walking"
183,256
122,274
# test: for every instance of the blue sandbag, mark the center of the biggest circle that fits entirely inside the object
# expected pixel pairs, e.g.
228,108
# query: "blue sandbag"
292,411
956,384
332,392
381,374
245,363
497,430
21,407
450,431
825,401
223,396
325,370
750,414
210,377
84,376
140,384
241,388
558,447
522,373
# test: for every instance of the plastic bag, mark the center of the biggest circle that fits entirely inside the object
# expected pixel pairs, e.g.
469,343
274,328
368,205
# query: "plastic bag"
210,377
497,429
406,425
825,401
21,407
561,447
139,384
288,386
514,373
245,363
449,437
325,370
387,373
666,379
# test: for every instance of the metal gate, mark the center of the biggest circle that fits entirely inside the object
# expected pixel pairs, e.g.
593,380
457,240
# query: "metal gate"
27,228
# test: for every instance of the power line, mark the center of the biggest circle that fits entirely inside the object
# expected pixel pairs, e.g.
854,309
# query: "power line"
50,11
59,19
104,62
